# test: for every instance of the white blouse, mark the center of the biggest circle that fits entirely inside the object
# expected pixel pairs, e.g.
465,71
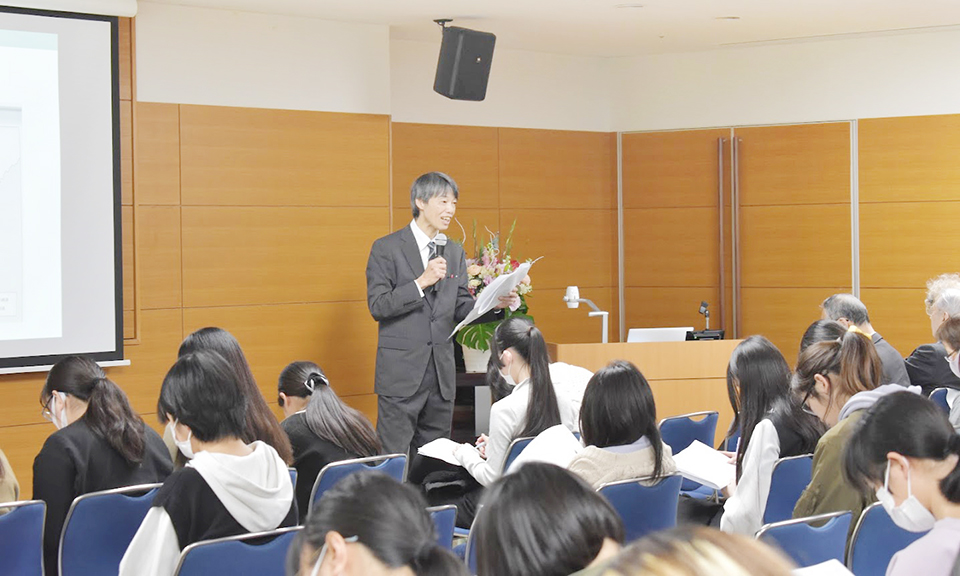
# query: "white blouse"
743,510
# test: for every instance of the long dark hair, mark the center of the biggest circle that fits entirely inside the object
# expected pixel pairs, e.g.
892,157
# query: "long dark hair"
108,414
327,416
854,359
201,390
543,411
821,331
908,424
758,386
618,408
387,517
261,423
542,520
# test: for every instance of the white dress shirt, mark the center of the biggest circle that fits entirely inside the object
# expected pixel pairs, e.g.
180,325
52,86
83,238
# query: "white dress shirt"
743,510
423,245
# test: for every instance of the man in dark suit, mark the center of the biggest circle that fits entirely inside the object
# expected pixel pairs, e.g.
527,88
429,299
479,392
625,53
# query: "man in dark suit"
848,310
418,297
926,365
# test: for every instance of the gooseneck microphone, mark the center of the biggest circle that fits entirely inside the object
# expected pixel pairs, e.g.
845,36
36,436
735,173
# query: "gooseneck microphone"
440,241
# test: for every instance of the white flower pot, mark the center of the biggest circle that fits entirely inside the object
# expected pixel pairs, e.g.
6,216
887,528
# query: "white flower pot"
475,360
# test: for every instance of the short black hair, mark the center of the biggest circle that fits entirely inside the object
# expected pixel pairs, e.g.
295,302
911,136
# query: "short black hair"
542,520
821,331
201,391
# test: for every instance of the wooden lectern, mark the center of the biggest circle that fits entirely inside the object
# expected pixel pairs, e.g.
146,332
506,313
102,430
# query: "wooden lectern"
685,376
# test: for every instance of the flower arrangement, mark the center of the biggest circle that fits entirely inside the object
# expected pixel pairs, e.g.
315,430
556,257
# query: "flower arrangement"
488,262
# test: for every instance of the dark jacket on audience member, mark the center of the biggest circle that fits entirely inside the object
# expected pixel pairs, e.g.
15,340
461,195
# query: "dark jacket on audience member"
75,461
310,454
929,370
894,369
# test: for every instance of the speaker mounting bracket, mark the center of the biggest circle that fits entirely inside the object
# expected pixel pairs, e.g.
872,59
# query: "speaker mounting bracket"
442,22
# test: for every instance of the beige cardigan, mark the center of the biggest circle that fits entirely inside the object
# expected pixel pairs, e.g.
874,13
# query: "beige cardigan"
598,466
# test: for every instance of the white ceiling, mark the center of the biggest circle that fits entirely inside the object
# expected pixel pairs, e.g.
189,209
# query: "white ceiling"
600,28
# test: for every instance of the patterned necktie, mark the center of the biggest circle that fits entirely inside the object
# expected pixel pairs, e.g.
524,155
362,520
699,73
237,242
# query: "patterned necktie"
433,250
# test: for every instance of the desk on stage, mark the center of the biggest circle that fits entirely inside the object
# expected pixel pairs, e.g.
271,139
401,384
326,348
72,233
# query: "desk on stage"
685,376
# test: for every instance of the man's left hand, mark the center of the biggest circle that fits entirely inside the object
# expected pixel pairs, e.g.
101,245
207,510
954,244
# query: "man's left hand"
511,301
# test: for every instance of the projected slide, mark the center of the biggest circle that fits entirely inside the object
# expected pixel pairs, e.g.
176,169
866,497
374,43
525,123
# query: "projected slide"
30,263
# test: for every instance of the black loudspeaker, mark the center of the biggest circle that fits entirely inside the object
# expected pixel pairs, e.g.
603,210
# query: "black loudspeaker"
464,65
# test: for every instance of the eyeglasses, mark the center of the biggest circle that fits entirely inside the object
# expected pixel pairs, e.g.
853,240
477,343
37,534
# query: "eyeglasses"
45,410
803,403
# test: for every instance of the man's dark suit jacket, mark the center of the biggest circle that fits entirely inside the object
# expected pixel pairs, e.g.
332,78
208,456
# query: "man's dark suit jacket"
412,326
929,370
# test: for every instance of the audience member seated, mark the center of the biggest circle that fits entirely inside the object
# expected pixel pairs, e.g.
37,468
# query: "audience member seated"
322,429
821,331
925,364
228,486
906,452
569,383
100,443
693,551
772,425
949,334
531,408
370,525
837,381
261,424
543,520
618,423
9,487
848,310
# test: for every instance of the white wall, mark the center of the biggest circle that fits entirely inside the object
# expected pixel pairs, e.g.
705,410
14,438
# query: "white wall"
201,56
526,90
863,77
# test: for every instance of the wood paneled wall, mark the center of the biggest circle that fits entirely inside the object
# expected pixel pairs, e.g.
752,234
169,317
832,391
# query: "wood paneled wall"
559,186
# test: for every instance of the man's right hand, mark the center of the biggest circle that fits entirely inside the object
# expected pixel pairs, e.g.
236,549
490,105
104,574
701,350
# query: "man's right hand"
436,270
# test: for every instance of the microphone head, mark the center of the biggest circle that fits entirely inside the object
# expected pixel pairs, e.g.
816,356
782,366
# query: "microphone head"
440,239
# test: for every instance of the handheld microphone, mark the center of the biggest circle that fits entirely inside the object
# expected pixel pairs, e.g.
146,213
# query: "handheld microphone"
440,240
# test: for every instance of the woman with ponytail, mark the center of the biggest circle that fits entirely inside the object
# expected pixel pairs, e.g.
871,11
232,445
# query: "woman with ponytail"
100,443
905,451
370,525
322,429
837,381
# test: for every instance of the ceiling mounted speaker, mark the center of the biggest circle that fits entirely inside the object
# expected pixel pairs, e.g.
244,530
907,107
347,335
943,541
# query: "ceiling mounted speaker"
464,65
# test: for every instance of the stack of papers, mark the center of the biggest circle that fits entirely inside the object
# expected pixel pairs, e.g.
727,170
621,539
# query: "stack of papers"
703,464
501,286
828,568
441,449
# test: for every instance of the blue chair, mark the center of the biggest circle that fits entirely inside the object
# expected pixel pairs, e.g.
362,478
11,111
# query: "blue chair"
678,432
445,520
293,476
875,540
99,526
394,465
939,397
808,545
732,441
470,553
789,479
516,447
21,538
256,554
644,509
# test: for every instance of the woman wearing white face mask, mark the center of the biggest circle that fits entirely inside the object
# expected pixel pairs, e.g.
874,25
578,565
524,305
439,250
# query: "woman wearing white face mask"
906,452
100,444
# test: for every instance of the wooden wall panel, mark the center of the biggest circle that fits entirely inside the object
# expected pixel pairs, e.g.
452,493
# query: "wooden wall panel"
900,316
558,169
21,445
272,255
798,164
339,336
795,246
126,153
670,306
162,332
672,169
468,154
671,247
910,159
159,252
157,150
256,157
127,258
125,42
366,403
783,314
564,325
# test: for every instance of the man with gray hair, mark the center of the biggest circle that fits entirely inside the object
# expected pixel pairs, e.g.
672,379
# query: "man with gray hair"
417,292
848,310
925,365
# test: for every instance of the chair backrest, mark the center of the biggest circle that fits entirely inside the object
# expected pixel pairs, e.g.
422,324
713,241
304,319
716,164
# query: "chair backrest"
516,447
788,481
293,476
807,544
644,509
394,465
678,432
445,520
261,553
99,526
732,441
21,538
470,554
939,397
875,540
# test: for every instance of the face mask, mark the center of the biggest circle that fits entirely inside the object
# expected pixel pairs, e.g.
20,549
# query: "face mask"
59,412
323,552
910,515
507,377
185,448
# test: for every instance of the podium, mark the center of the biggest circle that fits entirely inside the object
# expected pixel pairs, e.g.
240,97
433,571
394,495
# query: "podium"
685,376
